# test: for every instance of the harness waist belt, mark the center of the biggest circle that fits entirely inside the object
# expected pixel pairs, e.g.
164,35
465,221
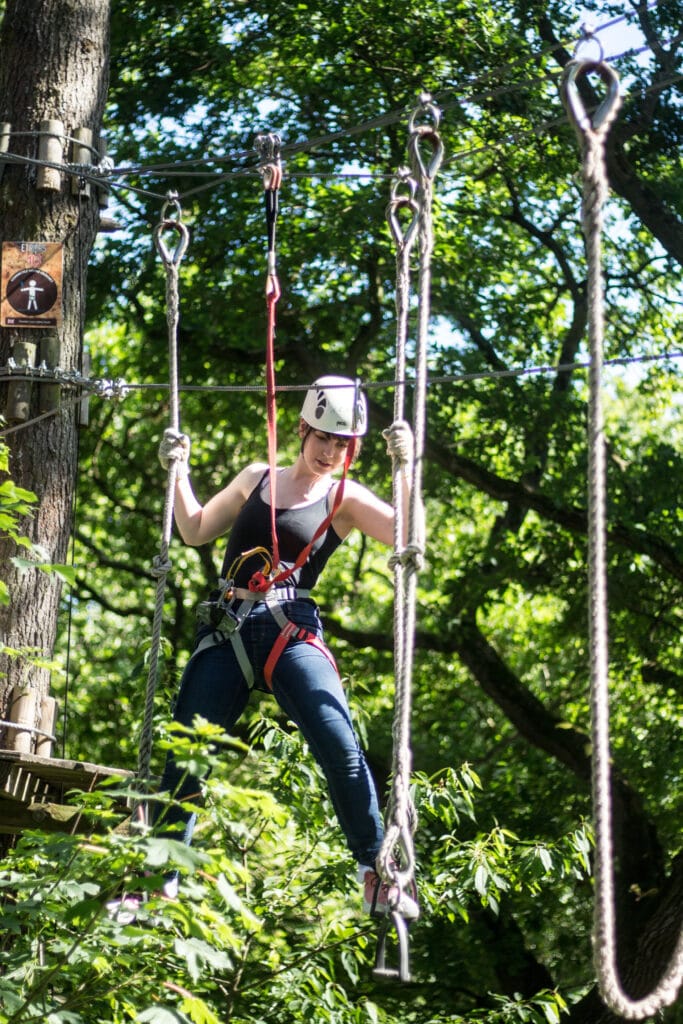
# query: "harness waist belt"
279,593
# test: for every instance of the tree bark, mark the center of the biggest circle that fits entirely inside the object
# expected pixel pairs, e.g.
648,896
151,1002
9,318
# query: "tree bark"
55,61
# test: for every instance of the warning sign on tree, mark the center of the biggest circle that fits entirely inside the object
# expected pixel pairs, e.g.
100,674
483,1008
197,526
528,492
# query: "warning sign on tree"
31,284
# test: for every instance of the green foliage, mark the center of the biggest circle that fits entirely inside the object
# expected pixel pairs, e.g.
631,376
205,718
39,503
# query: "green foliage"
501,661
267,923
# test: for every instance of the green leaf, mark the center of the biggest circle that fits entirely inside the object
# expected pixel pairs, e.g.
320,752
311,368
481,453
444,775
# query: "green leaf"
162,1015
197,953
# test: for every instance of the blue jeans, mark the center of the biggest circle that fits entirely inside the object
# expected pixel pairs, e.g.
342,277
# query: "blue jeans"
309,691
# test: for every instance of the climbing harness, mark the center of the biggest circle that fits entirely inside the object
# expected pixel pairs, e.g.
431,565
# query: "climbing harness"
171,221
411,194
226,623
592,131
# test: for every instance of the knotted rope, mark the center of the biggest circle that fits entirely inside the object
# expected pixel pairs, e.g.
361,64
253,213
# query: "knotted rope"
161,563
396,859
592,133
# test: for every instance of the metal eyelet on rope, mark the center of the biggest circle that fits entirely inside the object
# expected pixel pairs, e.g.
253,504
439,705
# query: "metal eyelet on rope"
425,132
592,131
171,224
403,192
161,563
171,261
588,35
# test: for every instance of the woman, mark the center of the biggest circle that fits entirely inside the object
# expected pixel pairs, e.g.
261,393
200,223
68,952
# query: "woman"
262,628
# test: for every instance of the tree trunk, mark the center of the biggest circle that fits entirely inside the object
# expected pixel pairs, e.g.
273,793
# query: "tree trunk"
53,67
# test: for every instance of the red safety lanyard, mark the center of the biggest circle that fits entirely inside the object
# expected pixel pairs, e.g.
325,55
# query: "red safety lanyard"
272,179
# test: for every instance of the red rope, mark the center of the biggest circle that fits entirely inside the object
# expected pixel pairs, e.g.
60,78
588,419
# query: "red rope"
272,179
272,296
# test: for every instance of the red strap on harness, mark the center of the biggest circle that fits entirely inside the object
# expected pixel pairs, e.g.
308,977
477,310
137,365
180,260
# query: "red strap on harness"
293,632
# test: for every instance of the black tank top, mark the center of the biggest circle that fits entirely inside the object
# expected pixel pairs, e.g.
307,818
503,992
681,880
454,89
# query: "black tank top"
295,529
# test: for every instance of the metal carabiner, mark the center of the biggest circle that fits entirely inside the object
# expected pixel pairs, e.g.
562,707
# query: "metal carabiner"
168,223
267,145
380,970
578,114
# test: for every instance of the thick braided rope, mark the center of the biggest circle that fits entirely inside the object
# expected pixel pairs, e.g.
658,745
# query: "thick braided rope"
161,563
396,859
398,833
595,190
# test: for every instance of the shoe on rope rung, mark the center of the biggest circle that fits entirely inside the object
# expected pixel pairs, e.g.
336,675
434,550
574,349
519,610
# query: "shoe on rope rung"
381,898
124,911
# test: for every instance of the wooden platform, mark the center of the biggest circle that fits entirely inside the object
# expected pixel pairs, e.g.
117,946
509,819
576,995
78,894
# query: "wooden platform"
35,792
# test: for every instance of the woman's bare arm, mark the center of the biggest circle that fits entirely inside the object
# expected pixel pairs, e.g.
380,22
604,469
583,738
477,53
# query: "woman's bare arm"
199,524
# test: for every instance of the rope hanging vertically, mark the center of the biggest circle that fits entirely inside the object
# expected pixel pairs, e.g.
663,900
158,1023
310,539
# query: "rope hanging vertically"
592,131
161,564
396,860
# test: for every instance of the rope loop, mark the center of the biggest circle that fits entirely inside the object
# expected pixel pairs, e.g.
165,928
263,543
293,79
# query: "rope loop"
399,202
601,119
425,133
592,132
168,223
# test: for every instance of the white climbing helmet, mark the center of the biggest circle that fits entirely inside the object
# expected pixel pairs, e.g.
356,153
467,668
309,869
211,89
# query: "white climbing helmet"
337,406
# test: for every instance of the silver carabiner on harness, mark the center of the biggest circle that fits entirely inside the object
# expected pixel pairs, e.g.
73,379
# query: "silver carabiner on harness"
214,613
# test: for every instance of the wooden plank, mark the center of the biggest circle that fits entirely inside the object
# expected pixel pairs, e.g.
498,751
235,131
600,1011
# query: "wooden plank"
33,791
57,771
